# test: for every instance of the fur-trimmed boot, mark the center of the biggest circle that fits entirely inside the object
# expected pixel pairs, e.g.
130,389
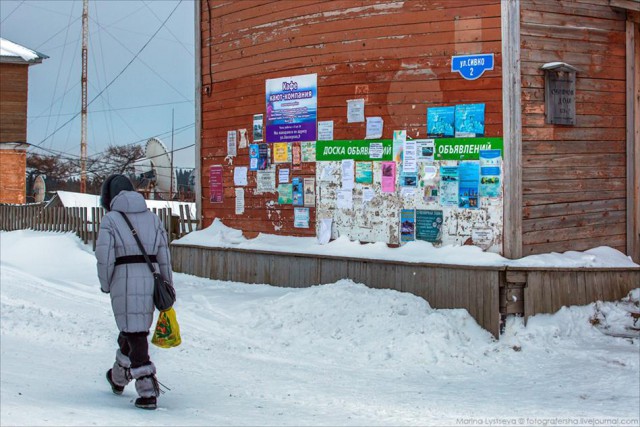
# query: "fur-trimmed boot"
146,386
119,376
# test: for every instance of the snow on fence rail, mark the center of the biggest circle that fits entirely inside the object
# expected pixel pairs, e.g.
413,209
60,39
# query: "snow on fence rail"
83,221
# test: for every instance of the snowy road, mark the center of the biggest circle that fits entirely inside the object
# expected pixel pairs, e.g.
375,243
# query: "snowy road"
336,354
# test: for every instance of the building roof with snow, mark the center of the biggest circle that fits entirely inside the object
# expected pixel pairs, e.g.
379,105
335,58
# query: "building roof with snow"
14,53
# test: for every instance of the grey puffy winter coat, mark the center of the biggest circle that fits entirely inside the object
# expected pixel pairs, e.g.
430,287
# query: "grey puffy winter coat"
131,285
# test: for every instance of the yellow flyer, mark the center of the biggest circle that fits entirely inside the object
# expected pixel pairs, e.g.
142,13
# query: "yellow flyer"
280,152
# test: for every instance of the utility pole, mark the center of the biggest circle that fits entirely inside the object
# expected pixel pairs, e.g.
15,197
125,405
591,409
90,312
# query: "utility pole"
83,115
171,182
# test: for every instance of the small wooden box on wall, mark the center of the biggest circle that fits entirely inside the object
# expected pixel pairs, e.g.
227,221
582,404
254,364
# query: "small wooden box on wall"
559,93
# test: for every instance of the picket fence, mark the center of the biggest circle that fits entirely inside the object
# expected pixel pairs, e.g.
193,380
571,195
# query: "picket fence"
83,221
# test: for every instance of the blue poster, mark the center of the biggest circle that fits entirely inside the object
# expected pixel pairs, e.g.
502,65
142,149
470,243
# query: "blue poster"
429,225
449,185
490,168
440,122
292,104
407,225
254,155
469,181
469,120
298,195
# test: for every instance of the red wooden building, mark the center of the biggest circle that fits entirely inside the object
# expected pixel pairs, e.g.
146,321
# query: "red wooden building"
14,76
570,176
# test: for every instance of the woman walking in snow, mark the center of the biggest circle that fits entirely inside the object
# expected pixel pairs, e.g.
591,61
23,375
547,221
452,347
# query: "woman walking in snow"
124,274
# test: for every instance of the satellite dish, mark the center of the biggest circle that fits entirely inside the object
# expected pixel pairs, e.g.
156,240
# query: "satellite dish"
153,172
39,189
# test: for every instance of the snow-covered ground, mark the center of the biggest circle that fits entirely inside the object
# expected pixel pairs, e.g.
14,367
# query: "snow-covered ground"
335,354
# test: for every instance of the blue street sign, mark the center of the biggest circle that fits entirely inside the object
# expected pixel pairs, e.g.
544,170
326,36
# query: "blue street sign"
472,66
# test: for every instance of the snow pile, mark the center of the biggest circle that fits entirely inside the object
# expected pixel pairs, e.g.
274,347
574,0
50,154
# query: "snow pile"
621,318
219,235
348,322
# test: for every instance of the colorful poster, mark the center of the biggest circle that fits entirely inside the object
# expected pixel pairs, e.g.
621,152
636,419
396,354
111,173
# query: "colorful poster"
253,157
490,170
429,184
399,137
232,141
297,192
239,201
409,180
263,157
449,185
441,121
309,192
353,149
216,189
280,152
374,128
469,179
429,225
301,217
425,150
296,156
407,225
325,130
355,110
257,128
469,120
364,172
292,104
465,148
430,194
388,177
285,194
308,151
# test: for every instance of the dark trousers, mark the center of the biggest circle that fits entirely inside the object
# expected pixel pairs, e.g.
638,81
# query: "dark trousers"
135,346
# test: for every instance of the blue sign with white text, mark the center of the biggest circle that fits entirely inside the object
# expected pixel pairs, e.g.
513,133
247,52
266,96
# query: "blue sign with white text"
472,67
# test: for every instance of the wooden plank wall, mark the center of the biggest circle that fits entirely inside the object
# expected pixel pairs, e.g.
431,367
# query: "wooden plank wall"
549,290
574,177
475,289
13,169
13,102
394,54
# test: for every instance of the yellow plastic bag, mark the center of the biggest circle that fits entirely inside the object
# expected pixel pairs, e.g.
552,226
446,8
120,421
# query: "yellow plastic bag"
167,333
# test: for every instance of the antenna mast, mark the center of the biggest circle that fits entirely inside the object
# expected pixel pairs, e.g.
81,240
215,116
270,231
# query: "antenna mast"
83,136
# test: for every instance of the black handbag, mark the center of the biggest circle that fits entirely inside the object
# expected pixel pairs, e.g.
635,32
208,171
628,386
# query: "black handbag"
164,295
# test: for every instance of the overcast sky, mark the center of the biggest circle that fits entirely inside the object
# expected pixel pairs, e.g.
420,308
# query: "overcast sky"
136,105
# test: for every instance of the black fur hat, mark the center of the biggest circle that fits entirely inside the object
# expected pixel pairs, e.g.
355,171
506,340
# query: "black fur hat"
111,187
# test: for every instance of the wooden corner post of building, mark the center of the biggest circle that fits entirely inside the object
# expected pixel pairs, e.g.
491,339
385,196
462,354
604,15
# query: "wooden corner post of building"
633,134
512,128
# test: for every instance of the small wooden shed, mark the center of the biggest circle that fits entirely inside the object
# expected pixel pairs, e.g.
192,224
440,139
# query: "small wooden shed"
14,75
557,81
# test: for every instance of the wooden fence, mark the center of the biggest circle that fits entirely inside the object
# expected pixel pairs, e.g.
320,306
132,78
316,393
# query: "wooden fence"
489,294
85,222
475,289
